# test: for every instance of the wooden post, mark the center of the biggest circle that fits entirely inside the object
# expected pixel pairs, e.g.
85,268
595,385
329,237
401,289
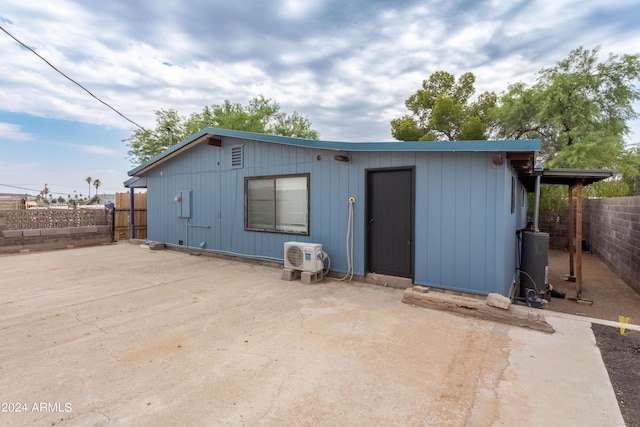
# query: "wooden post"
579,240
571,277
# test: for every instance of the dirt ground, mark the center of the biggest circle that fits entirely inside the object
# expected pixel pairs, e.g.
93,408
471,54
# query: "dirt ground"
610,295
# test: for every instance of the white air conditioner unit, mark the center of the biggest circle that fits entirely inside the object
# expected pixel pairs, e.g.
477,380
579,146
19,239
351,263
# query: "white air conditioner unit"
303,256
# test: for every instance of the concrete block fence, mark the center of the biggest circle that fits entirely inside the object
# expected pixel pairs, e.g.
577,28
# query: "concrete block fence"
614,234
610,229
53,230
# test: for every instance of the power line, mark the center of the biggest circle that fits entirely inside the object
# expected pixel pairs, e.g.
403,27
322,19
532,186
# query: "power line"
75,187
19,188
70,79
31,189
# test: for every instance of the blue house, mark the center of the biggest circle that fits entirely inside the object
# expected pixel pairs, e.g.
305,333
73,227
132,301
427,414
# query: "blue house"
442,214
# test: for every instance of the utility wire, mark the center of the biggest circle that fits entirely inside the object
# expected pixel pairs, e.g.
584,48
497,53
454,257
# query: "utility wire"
19,188
70,79
31,189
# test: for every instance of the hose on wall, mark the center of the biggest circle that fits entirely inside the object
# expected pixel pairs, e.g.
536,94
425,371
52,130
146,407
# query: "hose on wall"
349,242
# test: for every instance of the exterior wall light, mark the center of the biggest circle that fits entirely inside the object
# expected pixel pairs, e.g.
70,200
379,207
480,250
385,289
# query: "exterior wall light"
177,198
538,165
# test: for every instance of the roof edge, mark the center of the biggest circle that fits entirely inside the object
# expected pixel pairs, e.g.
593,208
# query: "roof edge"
388,146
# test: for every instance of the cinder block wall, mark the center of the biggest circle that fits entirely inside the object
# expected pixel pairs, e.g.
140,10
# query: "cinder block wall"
50,238
613,227
557,225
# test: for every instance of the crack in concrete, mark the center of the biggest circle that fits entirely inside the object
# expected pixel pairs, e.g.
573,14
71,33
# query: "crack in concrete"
109,420
114,354
279,391
77,316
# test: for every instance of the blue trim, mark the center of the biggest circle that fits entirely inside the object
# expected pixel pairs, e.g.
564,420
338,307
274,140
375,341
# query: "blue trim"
522,145
136,182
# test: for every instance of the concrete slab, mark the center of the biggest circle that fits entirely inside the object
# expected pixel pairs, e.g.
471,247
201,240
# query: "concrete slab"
118,335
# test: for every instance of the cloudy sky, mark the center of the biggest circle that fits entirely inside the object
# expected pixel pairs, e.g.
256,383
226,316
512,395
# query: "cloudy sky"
346,65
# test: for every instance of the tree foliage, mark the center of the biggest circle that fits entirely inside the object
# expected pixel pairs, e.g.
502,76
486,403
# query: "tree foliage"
629,169
442,110
579,109
261,115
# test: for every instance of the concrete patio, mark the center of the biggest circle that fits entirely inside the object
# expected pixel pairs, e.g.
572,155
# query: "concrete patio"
119,335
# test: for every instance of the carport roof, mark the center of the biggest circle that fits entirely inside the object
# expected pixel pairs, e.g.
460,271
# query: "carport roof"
571,177
212,136
566,176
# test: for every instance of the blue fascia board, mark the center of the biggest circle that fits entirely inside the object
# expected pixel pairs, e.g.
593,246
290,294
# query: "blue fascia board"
522,145
136,182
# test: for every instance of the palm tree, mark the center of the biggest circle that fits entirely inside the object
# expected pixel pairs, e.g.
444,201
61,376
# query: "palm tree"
96,183
88,179
45,193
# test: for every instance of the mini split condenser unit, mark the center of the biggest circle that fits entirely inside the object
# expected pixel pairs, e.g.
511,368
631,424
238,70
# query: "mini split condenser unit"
303,256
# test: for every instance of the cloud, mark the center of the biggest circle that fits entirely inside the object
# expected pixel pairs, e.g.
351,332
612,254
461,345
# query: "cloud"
338,63
95,149
296,10
12,132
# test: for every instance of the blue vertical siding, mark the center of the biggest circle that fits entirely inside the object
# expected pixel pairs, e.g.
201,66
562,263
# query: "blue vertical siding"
464,229
480,228
429,233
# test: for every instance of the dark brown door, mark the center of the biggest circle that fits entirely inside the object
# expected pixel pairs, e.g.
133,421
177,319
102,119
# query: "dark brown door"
390,222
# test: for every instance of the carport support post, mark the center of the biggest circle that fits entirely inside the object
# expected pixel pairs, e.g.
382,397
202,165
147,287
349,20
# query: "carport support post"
132,228
571,277
579,239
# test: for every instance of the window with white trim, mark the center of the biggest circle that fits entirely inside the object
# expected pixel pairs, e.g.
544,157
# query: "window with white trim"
277,203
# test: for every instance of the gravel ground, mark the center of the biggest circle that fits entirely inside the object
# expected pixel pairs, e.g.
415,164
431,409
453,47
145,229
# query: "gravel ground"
621,355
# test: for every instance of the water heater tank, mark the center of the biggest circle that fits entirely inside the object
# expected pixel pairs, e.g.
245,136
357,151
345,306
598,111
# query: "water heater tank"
534,260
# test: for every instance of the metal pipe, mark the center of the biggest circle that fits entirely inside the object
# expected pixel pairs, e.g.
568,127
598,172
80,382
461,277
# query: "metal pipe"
168,129
132,228
536,205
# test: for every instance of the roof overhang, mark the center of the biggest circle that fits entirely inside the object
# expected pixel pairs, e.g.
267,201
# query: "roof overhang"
568,177
136,182
214,137
176,150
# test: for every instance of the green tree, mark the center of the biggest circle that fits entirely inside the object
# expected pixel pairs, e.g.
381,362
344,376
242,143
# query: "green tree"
629,170
579,109
261,115
442,110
